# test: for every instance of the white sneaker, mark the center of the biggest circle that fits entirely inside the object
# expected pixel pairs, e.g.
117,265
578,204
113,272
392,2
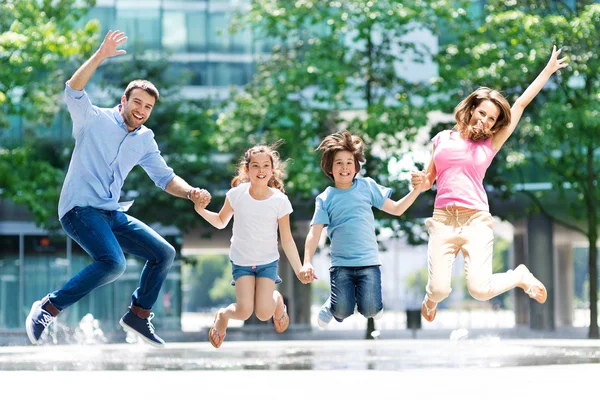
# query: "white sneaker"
378,315
325,315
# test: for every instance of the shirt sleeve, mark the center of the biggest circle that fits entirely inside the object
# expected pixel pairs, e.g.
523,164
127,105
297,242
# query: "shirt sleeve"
320,217
80,107
436,139
232,196
285,207
156,167
378,193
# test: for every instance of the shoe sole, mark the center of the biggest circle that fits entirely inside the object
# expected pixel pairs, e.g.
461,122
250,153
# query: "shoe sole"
127,328
29,325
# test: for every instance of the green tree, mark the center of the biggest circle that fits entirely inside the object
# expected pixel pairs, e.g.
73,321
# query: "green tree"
200,276
221,291
39,40
556,141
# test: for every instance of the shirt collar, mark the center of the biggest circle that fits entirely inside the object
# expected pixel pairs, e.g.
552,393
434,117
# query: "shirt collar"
119,119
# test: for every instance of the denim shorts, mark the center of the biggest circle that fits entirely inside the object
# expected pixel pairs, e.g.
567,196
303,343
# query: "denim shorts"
258,271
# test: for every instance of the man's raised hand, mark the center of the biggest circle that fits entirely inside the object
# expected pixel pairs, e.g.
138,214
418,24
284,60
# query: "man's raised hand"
111,41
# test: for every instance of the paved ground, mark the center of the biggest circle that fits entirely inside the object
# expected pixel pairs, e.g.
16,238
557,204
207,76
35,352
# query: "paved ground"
486,368
544,382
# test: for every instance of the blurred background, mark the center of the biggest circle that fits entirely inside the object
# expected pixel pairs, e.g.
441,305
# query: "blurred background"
234,73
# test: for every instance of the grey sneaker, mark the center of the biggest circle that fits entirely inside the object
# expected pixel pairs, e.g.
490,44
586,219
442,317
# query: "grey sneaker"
325,315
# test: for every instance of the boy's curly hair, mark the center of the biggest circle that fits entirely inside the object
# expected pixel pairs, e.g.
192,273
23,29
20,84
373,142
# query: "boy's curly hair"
340,141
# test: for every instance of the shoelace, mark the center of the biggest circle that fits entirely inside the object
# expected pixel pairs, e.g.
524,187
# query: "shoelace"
46,319
150,326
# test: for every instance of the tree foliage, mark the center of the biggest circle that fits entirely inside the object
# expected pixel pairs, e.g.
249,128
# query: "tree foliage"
38,39
333,65
38,42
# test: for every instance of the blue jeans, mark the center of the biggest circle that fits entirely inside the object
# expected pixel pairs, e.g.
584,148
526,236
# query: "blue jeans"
355,286
105,235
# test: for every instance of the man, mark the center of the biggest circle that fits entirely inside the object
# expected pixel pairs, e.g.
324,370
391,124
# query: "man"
108,144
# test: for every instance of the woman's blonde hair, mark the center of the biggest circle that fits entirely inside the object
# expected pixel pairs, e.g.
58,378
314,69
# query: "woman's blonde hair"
464,110
276,180
341,141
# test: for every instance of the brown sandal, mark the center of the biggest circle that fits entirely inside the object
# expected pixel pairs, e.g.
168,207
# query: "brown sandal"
281,324
214,337
532,284
428,313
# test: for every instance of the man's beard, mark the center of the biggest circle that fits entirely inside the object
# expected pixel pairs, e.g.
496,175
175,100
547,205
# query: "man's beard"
131,121
478,133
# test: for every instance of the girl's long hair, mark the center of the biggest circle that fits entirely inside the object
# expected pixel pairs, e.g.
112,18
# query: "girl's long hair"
276,180
464,110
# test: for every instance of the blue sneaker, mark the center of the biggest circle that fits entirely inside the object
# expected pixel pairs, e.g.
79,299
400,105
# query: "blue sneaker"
325,315
140,325
39,319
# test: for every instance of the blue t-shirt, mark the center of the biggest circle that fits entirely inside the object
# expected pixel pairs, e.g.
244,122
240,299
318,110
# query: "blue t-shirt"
350,222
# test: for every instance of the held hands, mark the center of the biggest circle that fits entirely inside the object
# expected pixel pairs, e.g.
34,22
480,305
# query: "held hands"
306,273
108,48
418,179
200,197
554,64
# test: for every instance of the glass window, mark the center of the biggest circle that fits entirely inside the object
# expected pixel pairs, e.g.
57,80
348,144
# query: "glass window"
199,72
45,267
218,74
218,32
196,31
142,26
242,42
174,36
241,73
12,134
9,282
104,15
226,74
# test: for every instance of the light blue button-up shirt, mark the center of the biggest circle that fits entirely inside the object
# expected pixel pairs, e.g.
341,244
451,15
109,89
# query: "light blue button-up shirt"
104,154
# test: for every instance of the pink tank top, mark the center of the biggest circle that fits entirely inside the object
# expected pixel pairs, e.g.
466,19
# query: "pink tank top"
461,165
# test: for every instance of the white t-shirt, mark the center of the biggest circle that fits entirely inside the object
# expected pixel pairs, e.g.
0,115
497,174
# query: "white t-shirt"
255,223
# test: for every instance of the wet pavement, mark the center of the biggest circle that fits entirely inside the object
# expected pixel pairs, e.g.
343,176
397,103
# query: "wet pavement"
483,368
379,355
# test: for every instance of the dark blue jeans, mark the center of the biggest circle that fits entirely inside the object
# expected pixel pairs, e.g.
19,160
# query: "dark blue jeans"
105,235
355,286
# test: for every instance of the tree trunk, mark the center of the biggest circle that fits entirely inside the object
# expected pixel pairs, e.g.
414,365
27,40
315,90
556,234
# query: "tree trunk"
369,99
592,264
592,206
370,328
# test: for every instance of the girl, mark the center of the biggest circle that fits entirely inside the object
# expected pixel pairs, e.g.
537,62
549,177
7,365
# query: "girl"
347,211
461,218
257,198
